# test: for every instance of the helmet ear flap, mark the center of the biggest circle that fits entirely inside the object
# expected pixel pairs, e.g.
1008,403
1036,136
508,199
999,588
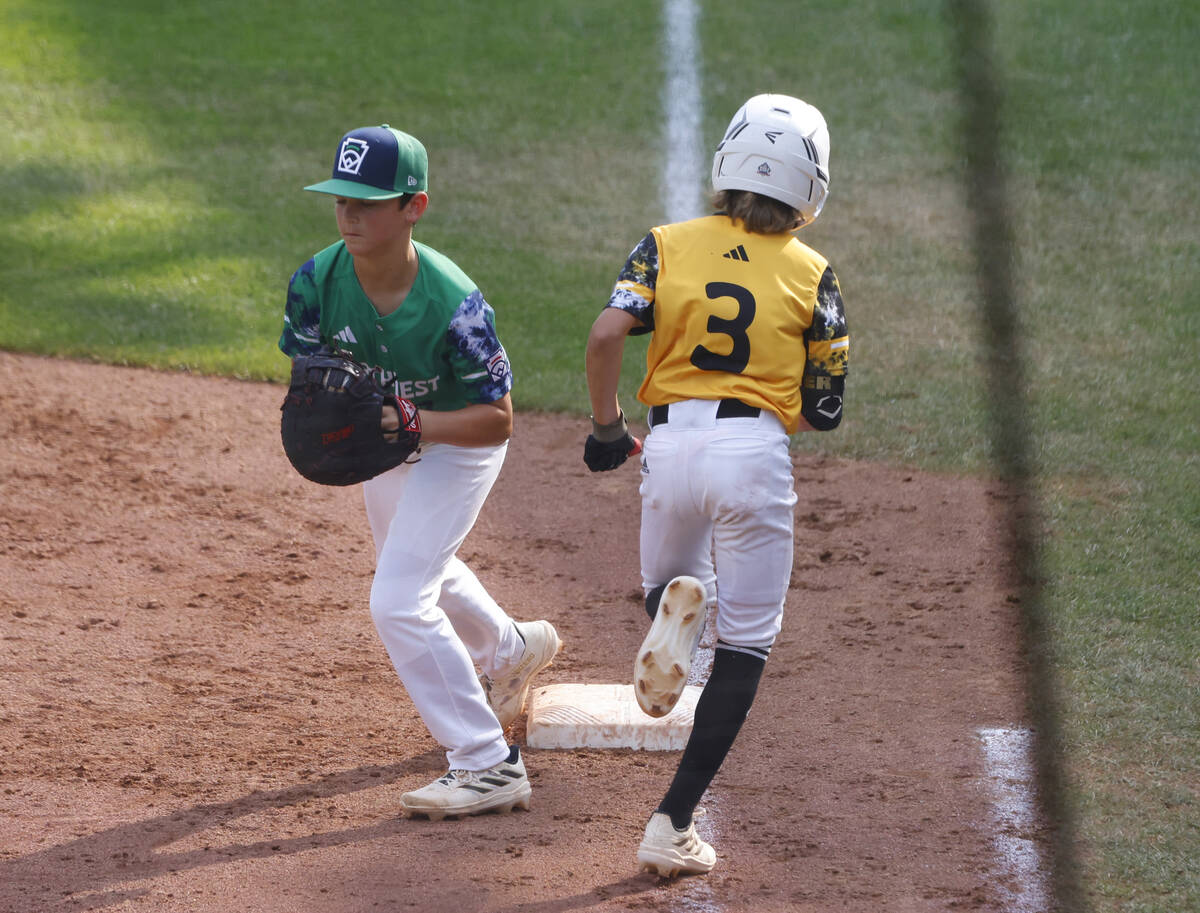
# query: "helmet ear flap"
777,146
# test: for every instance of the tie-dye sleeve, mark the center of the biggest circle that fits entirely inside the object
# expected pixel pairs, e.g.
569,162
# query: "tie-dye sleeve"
634,289
302,315
479,361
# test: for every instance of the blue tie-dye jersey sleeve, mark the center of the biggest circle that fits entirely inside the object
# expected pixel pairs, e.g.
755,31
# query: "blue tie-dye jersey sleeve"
480,362
302,315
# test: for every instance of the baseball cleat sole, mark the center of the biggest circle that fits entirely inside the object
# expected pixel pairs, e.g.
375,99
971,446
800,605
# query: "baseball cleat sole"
665,656
662,870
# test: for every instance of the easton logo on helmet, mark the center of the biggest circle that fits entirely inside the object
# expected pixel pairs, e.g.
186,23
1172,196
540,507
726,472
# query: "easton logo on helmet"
351,156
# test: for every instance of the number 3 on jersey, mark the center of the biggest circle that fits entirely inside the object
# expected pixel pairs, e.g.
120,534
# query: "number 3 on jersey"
735,362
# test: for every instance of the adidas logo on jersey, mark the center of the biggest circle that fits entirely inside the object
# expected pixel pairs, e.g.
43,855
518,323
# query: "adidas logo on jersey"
738,253
346,335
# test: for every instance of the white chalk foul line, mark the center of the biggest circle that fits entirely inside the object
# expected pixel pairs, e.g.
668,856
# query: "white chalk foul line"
683,198
1008,762
683,163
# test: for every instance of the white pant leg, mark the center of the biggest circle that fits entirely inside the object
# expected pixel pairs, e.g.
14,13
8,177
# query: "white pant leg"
419,514
724,485
751,496
676,537
486,629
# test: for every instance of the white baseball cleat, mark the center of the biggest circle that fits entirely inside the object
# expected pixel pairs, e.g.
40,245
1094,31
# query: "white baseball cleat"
506,693
668,852
472,792
665,656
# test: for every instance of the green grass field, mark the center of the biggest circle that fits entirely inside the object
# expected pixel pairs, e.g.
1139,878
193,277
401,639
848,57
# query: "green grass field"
153,154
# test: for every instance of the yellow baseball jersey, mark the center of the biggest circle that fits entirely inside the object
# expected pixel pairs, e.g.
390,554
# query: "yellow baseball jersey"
737,315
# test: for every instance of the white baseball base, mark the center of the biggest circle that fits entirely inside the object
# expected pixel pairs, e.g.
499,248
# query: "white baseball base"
605,716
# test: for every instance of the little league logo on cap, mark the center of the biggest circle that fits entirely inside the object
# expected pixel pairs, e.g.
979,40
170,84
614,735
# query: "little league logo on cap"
377,163
350,159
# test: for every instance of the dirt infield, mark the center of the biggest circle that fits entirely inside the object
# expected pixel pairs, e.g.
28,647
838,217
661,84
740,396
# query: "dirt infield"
196,713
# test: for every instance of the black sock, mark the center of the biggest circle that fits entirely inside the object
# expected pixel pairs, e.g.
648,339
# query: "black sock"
720,712
653,598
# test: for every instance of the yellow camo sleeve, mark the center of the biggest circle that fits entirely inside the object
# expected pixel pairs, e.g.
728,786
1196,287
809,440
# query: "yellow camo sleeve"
634,288
830,356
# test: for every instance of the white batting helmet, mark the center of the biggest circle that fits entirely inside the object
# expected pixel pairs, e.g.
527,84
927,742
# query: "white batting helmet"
778,146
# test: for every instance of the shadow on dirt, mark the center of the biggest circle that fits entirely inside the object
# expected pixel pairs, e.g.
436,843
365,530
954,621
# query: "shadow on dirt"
129,852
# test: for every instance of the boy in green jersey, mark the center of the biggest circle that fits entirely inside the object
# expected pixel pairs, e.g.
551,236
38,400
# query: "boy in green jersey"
424,327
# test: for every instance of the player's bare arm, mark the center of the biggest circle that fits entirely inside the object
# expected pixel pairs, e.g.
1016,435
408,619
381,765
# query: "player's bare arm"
478,425
610,444
605,347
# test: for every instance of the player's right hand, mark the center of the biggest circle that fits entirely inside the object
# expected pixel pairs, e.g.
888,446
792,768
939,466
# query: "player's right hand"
603,456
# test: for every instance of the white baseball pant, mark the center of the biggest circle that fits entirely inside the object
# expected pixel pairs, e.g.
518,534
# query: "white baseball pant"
434,617
721,489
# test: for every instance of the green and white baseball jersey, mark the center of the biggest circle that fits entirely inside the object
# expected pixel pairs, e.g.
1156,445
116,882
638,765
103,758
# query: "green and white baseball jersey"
438,349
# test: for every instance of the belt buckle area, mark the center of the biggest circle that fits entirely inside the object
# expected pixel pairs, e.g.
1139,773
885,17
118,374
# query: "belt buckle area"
726,408
735,408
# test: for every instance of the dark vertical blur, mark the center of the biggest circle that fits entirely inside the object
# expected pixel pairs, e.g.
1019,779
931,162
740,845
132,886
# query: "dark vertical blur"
984,144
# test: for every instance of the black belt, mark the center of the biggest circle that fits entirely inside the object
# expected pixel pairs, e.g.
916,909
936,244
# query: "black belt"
728,408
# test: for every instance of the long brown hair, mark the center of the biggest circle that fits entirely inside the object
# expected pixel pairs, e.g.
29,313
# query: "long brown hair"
761,215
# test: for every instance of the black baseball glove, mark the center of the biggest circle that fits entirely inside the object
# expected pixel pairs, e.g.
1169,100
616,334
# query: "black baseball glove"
331,423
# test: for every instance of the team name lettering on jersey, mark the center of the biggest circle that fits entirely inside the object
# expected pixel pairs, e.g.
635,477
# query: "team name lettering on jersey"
409,389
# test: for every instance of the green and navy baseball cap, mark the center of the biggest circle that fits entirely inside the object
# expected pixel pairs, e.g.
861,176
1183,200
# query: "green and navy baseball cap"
377,163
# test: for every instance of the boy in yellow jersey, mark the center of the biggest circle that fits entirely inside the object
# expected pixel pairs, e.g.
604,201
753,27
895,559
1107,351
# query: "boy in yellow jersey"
749,345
